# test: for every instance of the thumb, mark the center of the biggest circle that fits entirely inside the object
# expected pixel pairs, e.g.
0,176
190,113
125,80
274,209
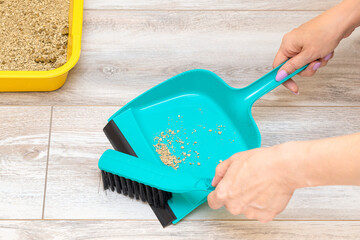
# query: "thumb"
293,64
220,171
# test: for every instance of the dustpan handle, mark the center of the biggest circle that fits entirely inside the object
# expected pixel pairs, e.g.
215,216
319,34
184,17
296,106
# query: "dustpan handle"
266,84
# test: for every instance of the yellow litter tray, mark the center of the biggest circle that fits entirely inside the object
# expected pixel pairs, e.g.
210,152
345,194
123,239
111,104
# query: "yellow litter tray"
22,81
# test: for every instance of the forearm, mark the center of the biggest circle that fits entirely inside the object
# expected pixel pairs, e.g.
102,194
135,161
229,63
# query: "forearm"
337,22
351,8
330,161
347,14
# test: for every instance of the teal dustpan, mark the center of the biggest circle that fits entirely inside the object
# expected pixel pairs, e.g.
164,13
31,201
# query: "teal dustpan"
201,118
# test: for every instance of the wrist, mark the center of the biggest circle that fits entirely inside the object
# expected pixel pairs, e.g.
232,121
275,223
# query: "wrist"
300,170
309,163
350,16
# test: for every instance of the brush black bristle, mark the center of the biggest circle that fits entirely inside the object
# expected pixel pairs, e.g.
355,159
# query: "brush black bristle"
133,189
146,193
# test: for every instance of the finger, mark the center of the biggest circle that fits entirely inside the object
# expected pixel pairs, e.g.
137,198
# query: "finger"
265,217
280,203
234,210
329,56
292,86
293,64
250,213
217,198
261,215
279,58
315,65
311,69
221,171
213,201
272,205
326,59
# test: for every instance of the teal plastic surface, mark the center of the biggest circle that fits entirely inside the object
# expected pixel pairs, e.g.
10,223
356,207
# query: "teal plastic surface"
143,171
194,100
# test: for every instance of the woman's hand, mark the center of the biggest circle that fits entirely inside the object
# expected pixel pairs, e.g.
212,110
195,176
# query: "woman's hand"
314,42
258,183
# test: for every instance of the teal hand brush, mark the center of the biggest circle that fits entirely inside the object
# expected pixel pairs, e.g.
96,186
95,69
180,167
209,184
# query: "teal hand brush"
148,173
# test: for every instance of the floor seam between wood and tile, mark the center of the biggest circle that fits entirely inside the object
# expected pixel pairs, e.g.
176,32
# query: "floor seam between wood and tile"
47,162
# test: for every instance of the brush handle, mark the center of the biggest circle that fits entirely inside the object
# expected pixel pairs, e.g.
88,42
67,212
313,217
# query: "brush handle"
266,84
147,172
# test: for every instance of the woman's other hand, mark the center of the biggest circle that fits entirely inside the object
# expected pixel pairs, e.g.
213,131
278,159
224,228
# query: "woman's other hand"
314,42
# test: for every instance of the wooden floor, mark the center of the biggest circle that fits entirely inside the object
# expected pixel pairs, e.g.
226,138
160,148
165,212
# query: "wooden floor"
50,142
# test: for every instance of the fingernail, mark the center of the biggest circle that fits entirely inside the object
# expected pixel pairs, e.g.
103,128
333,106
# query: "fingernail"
316,66
327,57
295,93
212,182
281,75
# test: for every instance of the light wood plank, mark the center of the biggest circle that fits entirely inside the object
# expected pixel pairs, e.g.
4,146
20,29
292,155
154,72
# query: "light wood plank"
74,189
77,142
24,133
44,230
211,5
127,52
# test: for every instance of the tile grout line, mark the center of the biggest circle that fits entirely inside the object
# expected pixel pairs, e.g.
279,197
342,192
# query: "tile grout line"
47,162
